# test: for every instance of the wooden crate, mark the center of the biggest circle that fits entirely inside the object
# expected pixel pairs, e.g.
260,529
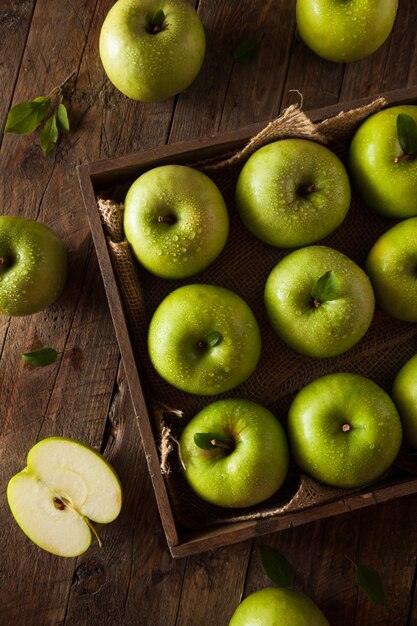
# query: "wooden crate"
181,540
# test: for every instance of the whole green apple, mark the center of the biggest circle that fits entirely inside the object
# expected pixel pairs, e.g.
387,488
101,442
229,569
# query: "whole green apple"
64,486
346,30
278,607
404,394
175,220
33,266
344,430
204,339
292,192
152,49
385,175
235,453
392,267
319,301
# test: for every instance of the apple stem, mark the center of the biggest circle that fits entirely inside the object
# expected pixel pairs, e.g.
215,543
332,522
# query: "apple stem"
316,303
67,503
220,444
403,157
346,428
168,219
4,261
306,190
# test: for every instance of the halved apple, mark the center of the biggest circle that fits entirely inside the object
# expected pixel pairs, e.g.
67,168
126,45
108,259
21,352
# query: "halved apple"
64,486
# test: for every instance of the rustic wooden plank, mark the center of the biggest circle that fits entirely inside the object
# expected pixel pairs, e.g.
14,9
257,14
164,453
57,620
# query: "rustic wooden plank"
15,19
123,581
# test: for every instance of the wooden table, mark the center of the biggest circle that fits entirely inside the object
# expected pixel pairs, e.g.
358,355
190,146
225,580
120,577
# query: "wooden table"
133,580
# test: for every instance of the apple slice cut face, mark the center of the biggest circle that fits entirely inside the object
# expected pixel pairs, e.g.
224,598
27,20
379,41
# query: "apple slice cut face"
64,483
60,531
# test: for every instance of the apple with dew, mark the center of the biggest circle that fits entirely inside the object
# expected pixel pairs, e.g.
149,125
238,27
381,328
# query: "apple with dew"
204,339
383,163
175,220
278,607
64,486
404,394
33,266
345,31
344,430
235,453
152,49
292,193
319,301
392,267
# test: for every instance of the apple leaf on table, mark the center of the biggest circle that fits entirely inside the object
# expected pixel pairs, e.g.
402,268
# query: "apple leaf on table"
40,357
246,50
407,134
276,566
367,579
25,117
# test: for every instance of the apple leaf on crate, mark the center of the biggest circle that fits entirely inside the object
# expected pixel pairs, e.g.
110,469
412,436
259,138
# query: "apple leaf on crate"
40,357
276,566
326,288
246,50
407,134
25,117
367,579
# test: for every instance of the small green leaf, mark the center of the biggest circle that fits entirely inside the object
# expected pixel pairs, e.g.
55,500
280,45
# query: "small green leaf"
276,566
407,134
213,339
246,51
326,288
40,357
62,120
367,579
49,135
25,117
205,440
158,18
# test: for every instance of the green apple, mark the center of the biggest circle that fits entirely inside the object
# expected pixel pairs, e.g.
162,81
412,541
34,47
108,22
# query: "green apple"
404,394
344,430
292,193
345,30
204,339
392,267
33,266
175,220
319,301
64,486
235,453
152,49
383,170
278,607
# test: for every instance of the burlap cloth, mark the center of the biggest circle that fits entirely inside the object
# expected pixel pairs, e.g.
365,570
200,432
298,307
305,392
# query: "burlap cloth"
243,267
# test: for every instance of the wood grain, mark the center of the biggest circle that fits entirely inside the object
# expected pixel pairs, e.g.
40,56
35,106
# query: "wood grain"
133,580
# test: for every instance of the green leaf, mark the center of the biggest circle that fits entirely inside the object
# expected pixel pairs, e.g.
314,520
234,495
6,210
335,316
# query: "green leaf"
407,134
326,288
367,579
62,120
158,18
49,135
205,440
24,117
40,357
213,339
246,51
276,566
